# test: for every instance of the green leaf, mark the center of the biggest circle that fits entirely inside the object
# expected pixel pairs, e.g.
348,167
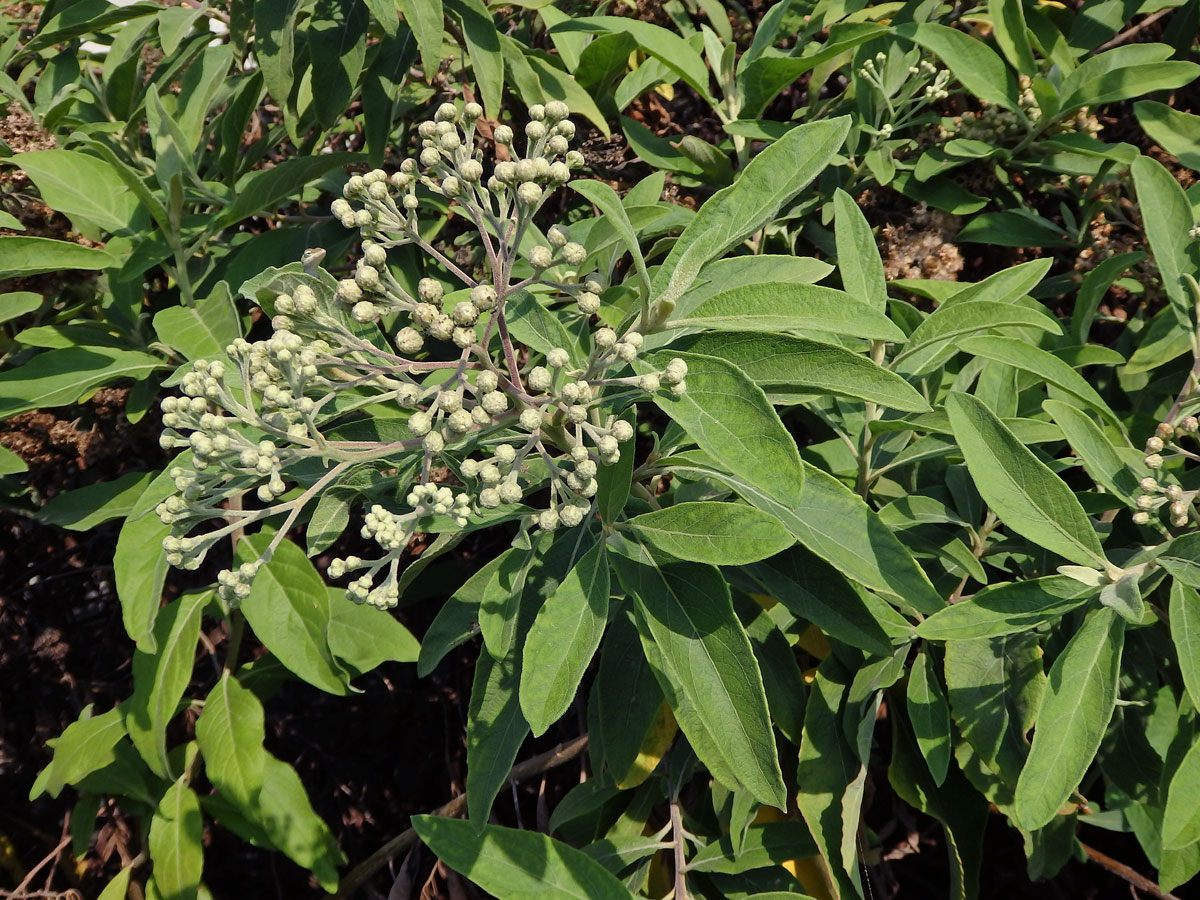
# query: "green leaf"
78,184
728,534
857,254
783,682
1099,457
1181,817
15,304
1006,608
995,688
425,18
382,83
84,747
1121,73
1081,696
1028,497
61,377
735,212
517,865
1013,229
790,307
202,84
1021,355
458,619
1008,25
118,888
1124,596
139,562
230,733
24,256
500,604
627,703
614,481
86,507
1185,633
1181,557
203,330
337,44
261,191
604,198
176,843
275,45
930,716
781,364
563,640
973,63
483,47
731,420
288,608
1176,132
1168,217
556,84
533,324
706,668
496,729
364,637
161,678
933,341
768,844
11,463
812,590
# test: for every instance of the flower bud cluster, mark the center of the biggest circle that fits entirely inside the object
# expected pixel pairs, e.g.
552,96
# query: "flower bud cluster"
508,422
1154,493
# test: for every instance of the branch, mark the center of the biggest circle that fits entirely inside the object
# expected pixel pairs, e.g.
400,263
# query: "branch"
356,877
1140,882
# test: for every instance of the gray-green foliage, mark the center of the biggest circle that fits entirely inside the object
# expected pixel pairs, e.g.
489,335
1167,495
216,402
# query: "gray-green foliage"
750,499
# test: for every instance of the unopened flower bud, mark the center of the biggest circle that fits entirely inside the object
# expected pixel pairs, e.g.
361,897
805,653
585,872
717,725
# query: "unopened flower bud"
472,111
1154,461
557,358
539,378
429,290
1164,430
589,303
566,128
503,135
487,381
537,112
540,257
574,254
531,419
364,312
433,442
483,296
557,145
367,278
1154,445
471,170
442,327
374,255
1178,509
409,340
463,336
622,430
510,492
650,383
451,186
558,173
547,520
529,193
419,423
446,112
495,403
430,157
348,291
489,498
604,338
460,421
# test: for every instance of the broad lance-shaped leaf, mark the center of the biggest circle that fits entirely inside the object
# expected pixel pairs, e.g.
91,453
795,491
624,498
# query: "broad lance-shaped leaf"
604,198
784,306
1181,818
930,716
1185,632
518,865
176,843
1100,458
160,679
1168,217
706,668
563,639
780,363
1028,497
1181,557
1080,699
723,534
288,608
857,254
61,377
230,732
496,728
1006,608
731,420
771,179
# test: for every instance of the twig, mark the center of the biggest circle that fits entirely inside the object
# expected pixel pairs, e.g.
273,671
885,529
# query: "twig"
1133,29
681,890
1139,881
22,888
550,759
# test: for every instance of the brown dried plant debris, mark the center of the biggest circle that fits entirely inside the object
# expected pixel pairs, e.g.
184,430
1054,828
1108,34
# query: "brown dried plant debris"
920,246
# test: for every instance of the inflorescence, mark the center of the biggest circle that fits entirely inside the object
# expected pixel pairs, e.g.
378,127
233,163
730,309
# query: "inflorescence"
505,420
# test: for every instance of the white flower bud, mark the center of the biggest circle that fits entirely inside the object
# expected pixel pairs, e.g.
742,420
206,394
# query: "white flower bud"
378,191
348,291
1154,445
430,157
374,255
465,313
367,277
541,168
442,327
529,193
487,381
483,296
409,340
539,378
489,474
450,141
364,312
1178,509
1141,518
531,419
472,111
446,112
566,128
559,173
557,358
604,338
574,254
650,383
622,430
589,303
503,135
547,520
411,202
419,423
495,402
463,336
679,388
626,352
433,442
480,416
1145,501
429,290
541,257
451,186
356,185
489,498
1174,492
471,170
401,180
510,492
675,371
557,145
460,421
574,159
558,236
1154,461
572,514
505,454
469,468
364,218
340,208
576,414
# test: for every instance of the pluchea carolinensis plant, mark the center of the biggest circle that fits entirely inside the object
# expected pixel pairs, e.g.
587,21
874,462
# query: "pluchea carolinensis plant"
488,420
